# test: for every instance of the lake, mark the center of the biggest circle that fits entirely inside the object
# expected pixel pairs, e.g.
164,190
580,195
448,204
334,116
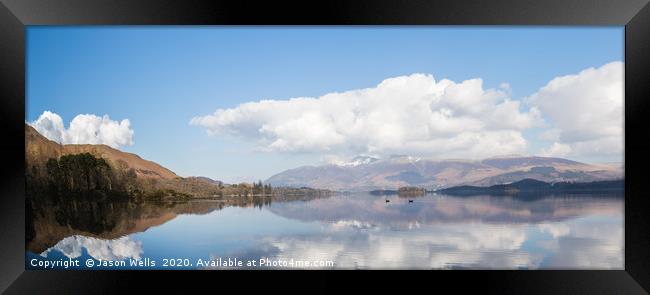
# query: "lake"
345,231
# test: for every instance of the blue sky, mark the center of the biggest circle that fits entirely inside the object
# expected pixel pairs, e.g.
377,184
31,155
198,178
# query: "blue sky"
159,78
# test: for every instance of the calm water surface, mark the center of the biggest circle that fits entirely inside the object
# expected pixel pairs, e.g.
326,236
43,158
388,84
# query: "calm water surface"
351,231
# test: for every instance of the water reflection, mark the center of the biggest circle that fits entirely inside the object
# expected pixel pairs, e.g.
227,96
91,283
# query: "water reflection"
353,231
49,220
117,249
466,245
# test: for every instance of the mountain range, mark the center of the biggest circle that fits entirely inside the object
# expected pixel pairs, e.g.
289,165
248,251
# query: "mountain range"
369,173
362,173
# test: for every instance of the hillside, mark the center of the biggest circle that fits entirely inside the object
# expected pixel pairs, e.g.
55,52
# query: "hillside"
100,169
39,149
401,171
86,169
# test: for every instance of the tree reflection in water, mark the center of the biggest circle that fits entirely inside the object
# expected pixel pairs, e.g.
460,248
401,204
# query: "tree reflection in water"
354,230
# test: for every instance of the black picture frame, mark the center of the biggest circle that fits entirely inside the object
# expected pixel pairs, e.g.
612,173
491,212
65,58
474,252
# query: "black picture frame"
15,15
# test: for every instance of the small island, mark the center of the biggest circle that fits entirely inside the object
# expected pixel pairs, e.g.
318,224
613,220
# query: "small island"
411,191
406,191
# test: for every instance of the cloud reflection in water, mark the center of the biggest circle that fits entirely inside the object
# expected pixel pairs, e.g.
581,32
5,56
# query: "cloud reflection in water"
116,249
447,232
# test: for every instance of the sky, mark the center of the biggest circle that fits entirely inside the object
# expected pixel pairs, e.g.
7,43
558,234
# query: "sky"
243,103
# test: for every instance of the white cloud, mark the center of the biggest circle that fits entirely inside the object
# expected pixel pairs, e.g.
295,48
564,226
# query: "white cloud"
556,150
408,114
50,125
586,112
85,129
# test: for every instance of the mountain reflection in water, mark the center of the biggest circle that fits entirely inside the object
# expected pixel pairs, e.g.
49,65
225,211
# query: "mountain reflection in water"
354,231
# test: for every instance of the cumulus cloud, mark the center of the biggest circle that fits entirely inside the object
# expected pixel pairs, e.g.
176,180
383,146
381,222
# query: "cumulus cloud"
412,114
85,129
585,111
556,150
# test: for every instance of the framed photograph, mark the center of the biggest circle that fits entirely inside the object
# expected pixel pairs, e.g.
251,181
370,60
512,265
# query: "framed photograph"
501,143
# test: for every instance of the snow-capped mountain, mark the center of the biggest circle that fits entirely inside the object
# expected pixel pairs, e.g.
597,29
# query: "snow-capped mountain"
358,160
364,173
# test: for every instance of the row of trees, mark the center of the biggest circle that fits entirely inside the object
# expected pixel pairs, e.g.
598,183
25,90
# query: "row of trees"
84,172
261,189
247,189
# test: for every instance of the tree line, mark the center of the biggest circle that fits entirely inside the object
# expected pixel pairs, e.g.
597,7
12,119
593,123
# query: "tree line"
83,173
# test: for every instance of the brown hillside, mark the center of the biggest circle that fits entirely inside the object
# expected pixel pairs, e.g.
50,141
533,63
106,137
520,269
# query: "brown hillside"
39,149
